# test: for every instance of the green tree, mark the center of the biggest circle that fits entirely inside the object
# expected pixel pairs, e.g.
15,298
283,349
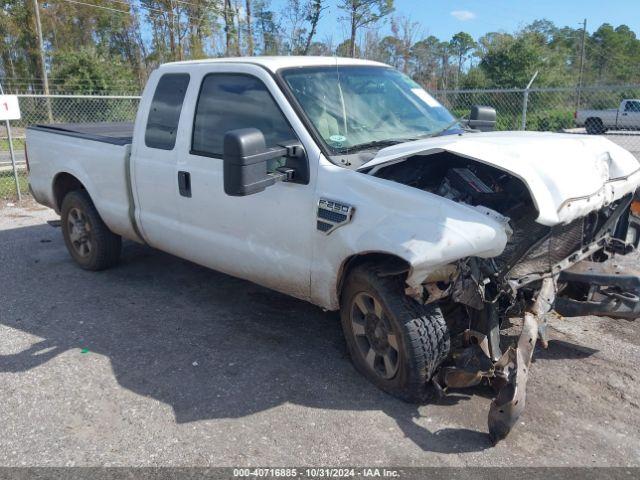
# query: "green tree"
614,55
425,57
267,29
363,13
391,51
345,49
19,52
510,62
461,45
84,71
314,11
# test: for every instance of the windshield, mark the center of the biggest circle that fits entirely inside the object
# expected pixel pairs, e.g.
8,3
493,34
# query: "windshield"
358,108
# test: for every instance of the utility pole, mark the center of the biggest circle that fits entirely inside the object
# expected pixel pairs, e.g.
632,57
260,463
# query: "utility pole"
584,37
43,66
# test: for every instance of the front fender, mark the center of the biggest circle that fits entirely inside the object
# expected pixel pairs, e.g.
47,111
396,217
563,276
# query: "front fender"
425,230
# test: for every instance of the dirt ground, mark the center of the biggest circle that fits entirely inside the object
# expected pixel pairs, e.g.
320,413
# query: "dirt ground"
160,362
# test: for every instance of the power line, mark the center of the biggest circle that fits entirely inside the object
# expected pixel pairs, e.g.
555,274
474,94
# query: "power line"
188,17
142,6
98,6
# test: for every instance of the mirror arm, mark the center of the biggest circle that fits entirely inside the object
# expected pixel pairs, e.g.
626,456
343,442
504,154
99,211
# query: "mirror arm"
284,174
293,150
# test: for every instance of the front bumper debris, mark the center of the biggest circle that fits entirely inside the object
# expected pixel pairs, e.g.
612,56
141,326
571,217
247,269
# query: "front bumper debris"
612,288
513,369
509,374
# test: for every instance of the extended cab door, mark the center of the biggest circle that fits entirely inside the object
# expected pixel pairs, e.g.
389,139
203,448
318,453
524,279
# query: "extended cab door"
154,158
264,237
629,116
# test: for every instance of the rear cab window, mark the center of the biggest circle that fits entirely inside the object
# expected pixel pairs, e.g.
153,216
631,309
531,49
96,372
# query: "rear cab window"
164,113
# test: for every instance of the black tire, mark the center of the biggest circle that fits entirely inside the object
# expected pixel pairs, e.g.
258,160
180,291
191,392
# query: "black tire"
421,335
89,241
594,126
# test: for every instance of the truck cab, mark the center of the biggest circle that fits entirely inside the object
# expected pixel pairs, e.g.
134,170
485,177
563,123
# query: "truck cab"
625,117
629,114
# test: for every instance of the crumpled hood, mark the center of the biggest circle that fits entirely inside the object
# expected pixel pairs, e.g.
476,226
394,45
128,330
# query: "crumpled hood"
567,175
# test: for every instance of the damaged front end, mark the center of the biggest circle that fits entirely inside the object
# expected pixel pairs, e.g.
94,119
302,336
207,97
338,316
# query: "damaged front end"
576,268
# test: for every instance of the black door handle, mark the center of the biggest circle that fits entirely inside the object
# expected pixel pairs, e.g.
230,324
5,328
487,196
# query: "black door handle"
184,183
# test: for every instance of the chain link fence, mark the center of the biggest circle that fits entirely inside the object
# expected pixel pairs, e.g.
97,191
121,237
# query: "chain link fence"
39,109
541,109
550,109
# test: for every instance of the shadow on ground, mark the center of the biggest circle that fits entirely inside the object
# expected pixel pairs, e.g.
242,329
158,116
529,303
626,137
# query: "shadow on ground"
209,345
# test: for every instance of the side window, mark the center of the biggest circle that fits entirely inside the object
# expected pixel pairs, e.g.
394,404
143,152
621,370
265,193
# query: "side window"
164,114
632,107
228,102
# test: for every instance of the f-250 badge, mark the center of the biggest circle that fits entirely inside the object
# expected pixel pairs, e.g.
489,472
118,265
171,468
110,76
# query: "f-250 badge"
332,215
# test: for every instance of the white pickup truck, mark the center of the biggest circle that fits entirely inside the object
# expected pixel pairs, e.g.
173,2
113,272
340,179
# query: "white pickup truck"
344,183
625,117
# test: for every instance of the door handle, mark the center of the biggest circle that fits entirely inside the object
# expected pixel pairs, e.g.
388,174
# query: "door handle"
184,184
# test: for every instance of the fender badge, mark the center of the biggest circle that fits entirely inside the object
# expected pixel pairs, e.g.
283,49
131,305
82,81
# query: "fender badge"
332,214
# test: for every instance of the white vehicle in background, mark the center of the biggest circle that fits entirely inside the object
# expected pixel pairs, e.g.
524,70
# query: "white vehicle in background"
625,117
344,183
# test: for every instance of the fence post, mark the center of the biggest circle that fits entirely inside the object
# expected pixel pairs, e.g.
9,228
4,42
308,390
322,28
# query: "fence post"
525,104
525,101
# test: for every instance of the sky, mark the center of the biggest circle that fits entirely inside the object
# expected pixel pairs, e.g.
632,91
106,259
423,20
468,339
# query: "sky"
443,18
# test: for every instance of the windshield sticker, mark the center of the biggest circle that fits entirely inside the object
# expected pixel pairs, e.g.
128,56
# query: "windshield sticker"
338,138
425,97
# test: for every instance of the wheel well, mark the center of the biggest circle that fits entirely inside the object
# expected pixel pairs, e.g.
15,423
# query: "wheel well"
593,119
63,184
387,264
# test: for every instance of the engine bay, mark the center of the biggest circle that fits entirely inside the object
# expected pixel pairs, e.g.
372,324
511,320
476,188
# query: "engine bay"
462,180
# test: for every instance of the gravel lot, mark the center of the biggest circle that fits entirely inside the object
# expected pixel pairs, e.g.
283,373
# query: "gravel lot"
628,140
162,362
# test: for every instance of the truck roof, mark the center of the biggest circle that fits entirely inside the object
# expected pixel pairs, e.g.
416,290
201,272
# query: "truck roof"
275,63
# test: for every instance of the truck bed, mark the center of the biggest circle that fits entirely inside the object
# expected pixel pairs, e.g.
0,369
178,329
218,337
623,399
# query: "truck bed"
115,133
96,155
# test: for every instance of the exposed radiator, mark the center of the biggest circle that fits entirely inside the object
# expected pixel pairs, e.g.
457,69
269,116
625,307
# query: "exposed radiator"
559,242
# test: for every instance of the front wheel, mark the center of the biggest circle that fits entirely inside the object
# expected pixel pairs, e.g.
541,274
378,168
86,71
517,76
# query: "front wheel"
394,341
89,241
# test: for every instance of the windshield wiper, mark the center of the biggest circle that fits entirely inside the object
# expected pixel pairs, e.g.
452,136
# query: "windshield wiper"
437,133
376,143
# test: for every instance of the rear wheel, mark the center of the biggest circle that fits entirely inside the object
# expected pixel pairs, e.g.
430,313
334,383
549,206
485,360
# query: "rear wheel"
594,126
89,241
394,341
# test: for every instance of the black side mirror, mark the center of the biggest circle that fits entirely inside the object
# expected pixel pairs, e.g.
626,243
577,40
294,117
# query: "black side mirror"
245,160
482,118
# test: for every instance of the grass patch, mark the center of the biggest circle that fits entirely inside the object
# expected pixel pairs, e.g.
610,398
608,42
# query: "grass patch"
8,185
18,144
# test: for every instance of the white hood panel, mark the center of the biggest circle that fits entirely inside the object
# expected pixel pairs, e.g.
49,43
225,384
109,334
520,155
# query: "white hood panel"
567,175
